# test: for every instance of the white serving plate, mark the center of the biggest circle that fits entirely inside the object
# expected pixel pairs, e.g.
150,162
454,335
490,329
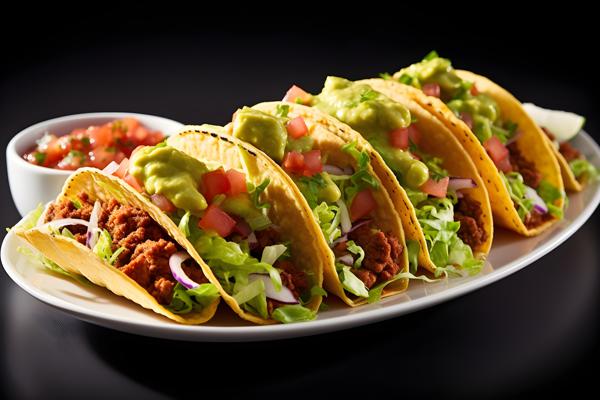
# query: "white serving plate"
509,254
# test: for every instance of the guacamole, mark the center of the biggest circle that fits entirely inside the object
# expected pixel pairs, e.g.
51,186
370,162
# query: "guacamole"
374,115
265,131
171,173
460,96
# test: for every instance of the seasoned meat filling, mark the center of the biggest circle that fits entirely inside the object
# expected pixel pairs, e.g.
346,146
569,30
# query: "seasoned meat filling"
468,212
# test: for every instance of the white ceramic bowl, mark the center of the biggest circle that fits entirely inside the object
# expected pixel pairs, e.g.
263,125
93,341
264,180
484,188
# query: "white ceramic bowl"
31,184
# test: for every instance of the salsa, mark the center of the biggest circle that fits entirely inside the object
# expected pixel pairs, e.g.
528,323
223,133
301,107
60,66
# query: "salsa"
94,146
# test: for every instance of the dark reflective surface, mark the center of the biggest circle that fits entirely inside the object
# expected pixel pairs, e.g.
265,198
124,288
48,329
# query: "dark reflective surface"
534,331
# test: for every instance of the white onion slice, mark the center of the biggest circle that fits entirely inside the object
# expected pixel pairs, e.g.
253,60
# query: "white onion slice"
461,183
333,170
252,240
59,223
179,274
514,138
285,295
341,239
361,223
345,221
538,203
346,259
92,232
111,168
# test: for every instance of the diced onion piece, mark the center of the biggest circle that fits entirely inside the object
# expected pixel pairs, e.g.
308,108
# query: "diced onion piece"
284,295
92,231
344,238
333,170
346,259
345,221
252,240
461,183
514,137
163,203
538,203
431,89
179,274
361,223
111,168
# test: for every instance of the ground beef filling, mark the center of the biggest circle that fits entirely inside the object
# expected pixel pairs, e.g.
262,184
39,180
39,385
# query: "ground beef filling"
526,168
569,152
468,212
291,276
147,246
382,255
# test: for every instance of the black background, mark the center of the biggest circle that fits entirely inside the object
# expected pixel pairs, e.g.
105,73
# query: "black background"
535,332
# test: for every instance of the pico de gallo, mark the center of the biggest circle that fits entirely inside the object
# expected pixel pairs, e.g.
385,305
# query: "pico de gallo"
94,146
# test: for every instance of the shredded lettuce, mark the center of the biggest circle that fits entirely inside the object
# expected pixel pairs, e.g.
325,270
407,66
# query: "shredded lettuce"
583,169
413,247
516,188
328,218
362,178
376,291
549,193
436,217
256,191
311,186
51,265
187,300
416,197
184,224
31,219
103,248
350,282
293,313
356,250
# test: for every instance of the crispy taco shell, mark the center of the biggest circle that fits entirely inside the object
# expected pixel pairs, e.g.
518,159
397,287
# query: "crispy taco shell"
294,213
504,211
79,259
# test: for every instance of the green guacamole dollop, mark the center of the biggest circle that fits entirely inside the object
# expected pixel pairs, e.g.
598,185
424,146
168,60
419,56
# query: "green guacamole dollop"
172,173
265,131
373,115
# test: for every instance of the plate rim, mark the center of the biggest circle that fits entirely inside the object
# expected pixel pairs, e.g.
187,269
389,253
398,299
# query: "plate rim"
208,333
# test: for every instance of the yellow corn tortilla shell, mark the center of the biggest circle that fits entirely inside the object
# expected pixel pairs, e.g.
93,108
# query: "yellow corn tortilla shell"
504,211
285,211
79,259
292,212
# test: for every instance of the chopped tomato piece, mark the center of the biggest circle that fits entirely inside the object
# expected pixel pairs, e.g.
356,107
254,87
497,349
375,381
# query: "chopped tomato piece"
101,157
123,168
312,162
100,135
467,119
414,134
214,183
237,182
163,203
297,95
504,165
297,128
130,179
474,90
399,138
495,149
431,89
294,162
54,152
127,124
218,220
362,204
436,188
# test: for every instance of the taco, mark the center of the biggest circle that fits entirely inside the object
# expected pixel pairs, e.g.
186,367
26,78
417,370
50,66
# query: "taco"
512,155
560,128
102,230
359,234
433,184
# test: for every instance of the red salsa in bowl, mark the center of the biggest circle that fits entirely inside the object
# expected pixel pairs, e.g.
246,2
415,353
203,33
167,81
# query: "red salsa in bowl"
94,146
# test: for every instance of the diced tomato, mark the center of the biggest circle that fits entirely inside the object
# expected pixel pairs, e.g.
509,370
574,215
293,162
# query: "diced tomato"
362,204
432,89
163,203
474,90
123,168
467,119
237,182
242,228
296,94
154,137
100,136
137,135
504,165
129,124
214,183
297,128
312,162
100,157
399,138
414,134
130,179
72,161
54,152
496,149
218,220
294,162
436,188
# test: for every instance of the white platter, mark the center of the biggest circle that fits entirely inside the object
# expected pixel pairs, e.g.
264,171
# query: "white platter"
509,254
